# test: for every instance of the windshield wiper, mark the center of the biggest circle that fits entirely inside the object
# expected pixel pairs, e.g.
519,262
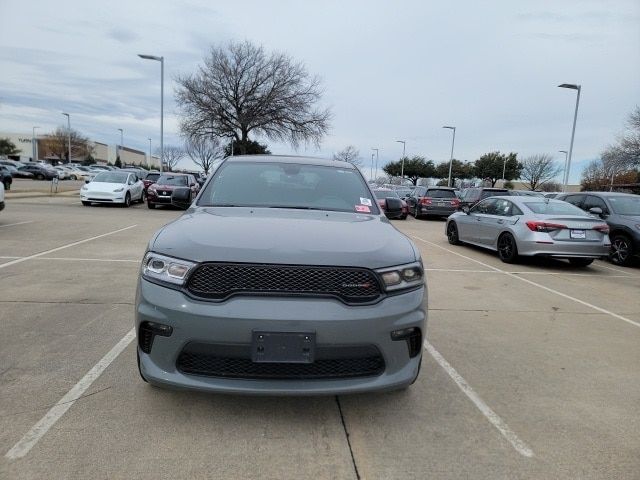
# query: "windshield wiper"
299,207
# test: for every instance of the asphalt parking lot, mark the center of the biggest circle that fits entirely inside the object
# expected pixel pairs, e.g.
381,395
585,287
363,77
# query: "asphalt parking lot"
529,371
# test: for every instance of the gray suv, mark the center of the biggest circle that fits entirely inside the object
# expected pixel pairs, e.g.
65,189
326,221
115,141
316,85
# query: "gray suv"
283,277
621,211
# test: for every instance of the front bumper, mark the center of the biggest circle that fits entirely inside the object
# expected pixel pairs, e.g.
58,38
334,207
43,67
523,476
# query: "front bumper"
102,197
234,320
160,199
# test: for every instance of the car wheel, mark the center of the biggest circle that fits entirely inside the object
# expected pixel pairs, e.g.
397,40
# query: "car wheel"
452,233
39,176
143,196
415,213
139,369
507,248
7,185
127,200
73,177
151,205
403,217
621,250
86,204
580,262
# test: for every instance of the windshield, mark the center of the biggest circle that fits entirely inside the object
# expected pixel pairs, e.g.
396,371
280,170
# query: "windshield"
555,208
403,192
625,205
152,176
110,177
382,194
288,185
177,180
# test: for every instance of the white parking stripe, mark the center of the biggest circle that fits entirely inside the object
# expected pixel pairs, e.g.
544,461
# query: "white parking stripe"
489,414
73,259
462,270
27,442
530,282
626,272
14,224
46,252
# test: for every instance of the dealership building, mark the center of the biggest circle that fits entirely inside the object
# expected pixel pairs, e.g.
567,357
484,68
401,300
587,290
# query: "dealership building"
30,149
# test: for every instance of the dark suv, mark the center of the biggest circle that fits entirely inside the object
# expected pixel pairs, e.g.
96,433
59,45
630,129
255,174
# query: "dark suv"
473,195
621,211
436,201
5,177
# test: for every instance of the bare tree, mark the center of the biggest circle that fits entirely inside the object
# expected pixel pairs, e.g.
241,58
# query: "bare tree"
57,143
241,90
349,154
171,155
204,151
630,140
538,170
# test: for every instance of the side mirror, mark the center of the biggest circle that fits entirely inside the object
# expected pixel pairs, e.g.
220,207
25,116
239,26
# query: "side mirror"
465,209
181,197
596,211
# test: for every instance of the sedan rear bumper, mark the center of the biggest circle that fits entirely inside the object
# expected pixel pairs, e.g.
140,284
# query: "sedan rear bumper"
564,249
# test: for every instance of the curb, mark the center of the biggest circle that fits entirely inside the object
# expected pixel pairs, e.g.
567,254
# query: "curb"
9,195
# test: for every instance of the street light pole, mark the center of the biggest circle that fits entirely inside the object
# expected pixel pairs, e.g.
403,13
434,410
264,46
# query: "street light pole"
404,144
120,147
34,145
149,161
371,168
453,141
564,170
161,60
377,157
69,133
573,130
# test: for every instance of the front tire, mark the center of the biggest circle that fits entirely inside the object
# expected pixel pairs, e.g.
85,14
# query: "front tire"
73,177
127,200
7,185
580,262
621,250
39,176
452,233
507,248
150,205
86,204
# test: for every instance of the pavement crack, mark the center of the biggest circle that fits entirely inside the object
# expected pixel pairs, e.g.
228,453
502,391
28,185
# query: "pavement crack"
346,433
46,407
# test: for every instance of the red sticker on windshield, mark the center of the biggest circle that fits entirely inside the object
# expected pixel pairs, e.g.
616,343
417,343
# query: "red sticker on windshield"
363,209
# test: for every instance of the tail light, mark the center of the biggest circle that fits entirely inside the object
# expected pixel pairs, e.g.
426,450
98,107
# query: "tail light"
604,228
425,201
536,226
455,202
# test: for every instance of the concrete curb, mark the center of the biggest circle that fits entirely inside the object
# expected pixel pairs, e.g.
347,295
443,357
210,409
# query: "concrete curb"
9,195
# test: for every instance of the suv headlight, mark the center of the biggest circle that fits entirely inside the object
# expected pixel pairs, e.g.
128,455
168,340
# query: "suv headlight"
160,268
402,277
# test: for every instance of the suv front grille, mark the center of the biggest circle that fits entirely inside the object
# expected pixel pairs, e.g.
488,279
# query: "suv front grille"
234,361
221,280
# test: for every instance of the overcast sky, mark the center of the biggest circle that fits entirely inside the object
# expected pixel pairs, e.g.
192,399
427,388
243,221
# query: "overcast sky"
395,70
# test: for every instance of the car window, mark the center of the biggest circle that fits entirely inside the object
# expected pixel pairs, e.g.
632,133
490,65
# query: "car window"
288,185
574,200
472,194
592,201
440,193
554,208
484,207
625,205
177,180
110,177
502,207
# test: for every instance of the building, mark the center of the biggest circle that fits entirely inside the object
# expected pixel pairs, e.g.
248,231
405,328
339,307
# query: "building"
102,152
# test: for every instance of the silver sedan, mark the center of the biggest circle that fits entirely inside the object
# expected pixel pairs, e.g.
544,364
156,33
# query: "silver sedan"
531,226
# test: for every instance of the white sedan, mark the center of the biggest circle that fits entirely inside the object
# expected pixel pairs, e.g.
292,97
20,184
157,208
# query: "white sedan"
113,187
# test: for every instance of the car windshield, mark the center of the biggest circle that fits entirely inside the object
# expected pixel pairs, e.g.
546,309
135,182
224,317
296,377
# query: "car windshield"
440,193
382,194
403,192
494,193
152,176
625,205
555,208
288,185
177,180
110,177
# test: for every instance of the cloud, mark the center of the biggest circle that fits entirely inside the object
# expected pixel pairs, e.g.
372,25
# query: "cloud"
123,35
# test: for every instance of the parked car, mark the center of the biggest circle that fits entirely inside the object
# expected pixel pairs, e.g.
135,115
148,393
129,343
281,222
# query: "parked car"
434,201
400,211
63,173
150,179
40,171
281,278
113,187
5,177
621,211
75,173
528,226
551,194
403,192
525,193
15,173
473,195
160,192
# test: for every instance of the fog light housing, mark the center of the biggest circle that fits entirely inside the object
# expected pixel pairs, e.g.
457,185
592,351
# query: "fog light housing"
148,331
413,337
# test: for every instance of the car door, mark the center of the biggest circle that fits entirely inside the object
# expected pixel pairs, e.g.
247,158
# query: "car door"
500,215
471,226
592,202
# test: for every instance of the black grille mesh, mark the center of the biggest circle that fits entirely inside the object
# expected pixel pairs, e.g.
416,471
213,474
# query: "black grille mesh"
337,363
219,280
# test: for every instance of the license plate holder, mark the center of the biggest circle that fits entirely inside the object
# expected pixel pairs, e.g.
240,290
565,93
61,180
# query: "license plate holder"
578,234
283,347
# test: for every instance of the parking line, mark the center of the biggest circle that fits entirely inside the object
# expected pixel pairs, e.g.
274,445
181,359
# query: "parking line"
462,270
626,273
531,282
27,442
489,414
46,252
14,224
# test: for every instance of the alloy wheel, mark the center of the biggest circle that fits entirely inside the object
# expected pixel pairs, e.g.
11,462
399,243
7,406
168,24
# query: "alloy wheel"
620,251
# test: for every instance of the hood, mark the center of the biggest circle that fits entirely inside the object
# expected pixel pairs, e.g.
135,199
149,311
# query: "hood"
103,186
295,237
167,187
